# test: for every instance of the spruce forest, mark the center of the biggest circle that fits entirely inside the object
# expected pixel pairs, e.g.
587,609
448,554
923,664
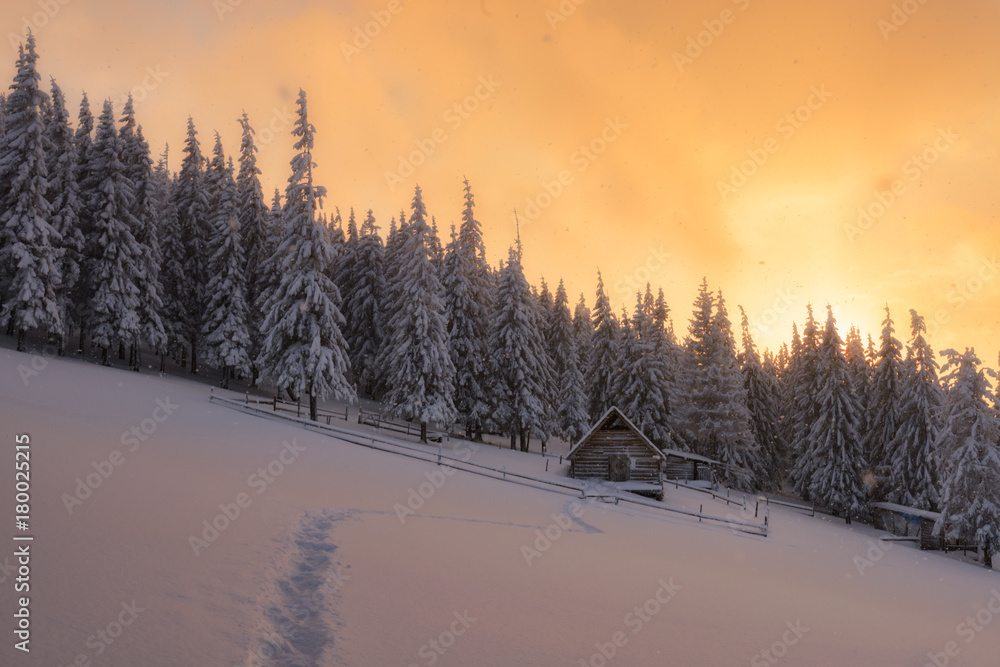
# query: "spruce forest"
106,247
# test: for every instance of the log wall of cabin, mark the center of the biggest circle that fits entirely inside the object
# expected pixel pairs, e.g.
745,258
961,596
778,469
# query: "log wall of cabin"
591,460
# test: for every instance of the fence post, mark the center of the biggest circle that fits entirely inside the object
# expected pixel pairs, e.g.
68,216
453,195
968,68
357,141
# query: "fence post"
756,509
275,402
701,509
298,407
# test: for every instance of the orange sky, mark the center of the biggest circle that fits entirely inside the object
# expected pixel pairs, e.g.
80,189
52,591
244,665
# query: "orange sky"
827,106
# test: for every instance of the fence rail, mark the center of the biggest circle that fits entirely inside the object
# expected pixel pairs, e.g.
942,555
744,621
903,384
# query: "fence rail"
373,441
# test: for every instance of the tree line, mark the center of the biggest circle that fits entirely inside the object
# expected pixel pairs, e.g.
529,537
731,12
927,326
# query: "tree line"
100,245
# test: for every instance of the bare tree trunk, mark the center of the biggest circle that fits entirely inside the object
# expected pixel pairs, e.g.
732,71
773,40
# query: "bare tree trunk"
423,432
194,355
312,407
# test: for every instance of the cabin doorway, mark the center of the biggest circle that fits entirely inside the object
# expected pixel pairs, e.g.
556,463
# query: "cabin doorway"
619,467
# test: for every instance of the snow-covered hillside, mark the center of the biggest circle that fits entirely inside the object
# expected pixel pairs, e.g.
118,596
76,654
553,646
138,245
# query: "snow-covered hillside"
482,572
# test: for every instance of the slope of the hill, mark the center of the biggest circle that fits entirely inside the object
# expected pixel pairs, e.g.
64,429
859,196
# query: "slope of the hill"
323,567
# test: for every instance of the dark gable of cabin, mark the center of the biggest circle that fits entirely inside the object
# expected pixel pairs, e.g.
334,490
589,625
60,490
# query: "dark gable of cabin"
616,452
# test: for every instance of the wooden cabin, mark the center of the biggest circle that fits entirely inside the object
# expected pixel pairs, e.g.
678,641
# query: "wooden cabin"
909,521
688,467
615,450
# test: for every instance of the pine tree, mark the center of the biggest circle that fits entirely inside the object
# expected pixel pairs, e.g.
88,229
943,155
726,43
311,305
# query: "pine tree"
83,145
191,203
857,363
465,344
139,171
804,386
115,255
763,399
912,479
252,214
604,354
970,498
364,303
583,333
225,331
170,251
642,379
517,348
29,244
884,402
64,197
419,375
835,445
304,350
721,401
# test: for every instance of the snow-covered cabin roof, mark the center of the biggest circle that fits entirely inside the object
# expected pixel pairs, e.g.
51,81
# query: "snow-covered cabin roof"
908,511
612,413
689,456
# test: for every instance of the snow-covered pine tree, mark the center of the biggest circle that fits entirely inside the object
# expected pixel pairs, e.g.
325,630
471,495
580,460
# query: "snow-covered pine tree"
884,402
344,271
967,443
226,335
269,273
763,398
29,244
83,145
64,197
464,343
139,171
419,376
191,203
517,347
583,332
253,218
115,255
912,478
304,351
835,446
364,325
571,418
722,403
804,384
604,355
642,381
857,362
472,394
170,250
